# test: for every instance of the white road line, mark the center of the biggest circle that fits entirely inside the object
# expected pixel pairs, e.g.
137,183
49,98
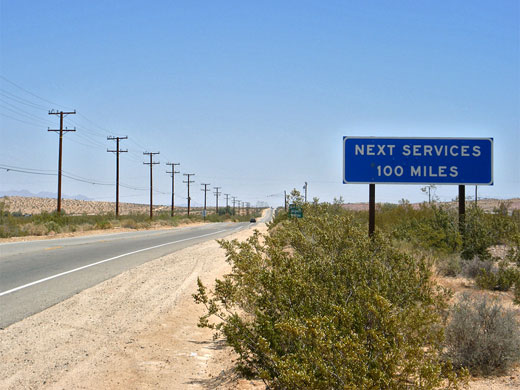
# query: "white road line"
100,262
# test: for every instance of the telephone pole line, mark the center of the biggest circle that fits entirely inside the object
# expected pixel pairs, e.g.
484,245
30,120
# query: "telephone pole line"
305,188
217,194
151,163
234,200
205,191
227,202
61,131
173,172
117,151
189,181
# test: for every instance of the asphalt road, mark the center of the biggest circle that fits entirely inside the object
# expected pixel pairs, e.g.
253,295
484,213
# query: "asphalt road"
35,275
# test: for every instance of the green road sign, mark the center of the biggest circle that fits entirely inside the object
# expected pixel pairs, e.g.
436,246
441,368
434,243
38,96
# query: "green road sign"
295,211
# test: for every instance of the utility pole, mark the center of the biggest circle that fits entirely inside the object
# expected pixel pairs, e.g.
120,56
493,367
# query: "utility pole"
238,202
189,181
247,207
205,192
61,130
216,195
151,163
285,200
117,151
476,196
227,202
173,172
234,201
305,188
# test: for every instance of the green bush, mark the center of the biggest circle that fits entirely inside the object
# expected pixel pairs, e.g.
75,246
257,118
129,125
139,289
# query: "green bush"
482,336
103,225
430,227
316,304
502,278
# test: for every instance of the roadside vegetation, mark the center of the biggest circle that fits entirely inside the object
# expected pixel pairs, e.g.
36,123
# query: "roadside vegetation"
16,224
316,304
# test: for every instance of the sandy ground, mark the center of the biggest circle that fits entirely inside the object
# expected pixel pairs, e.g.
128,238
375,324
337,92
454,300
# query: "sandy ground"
34,205
139,331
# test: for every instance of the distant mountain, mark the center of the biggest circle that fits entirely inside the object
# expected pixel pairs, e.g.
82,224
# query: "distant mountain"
28,194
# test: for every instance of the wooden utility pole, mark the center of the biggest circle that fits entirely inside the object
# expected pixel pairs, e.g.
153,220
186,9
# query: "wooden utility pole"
305,188
61,131
189,181
173,172
234,201
117,151
217,193
227,202
151,163
205,192
285,200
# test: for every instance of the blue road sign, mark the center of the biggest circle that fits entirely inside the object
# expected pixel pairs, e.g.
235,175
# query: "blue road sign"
418,160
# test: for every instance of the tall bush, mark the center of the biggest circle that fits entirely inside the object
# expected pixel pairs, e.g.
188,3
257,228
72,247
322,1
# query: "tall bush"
315,304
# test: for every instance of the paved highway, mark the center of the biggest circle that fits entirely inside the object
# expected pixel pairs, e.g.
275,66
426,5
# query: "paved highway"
35,275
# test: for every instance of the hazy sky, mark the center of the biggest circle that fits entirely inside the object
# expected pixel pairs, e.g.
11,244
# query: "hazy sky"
253,97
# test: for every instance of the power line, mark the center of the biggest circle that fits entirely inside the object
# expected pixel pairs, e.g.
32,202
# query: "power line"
30,93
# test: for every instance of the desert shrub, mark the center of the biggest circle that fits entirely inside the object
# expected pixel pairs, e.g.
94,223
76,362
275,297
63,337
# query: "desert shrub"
478,235
501,278
316,304
484,230
513,254
482,336
472,268
449,265
430,227
52,226
103,225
